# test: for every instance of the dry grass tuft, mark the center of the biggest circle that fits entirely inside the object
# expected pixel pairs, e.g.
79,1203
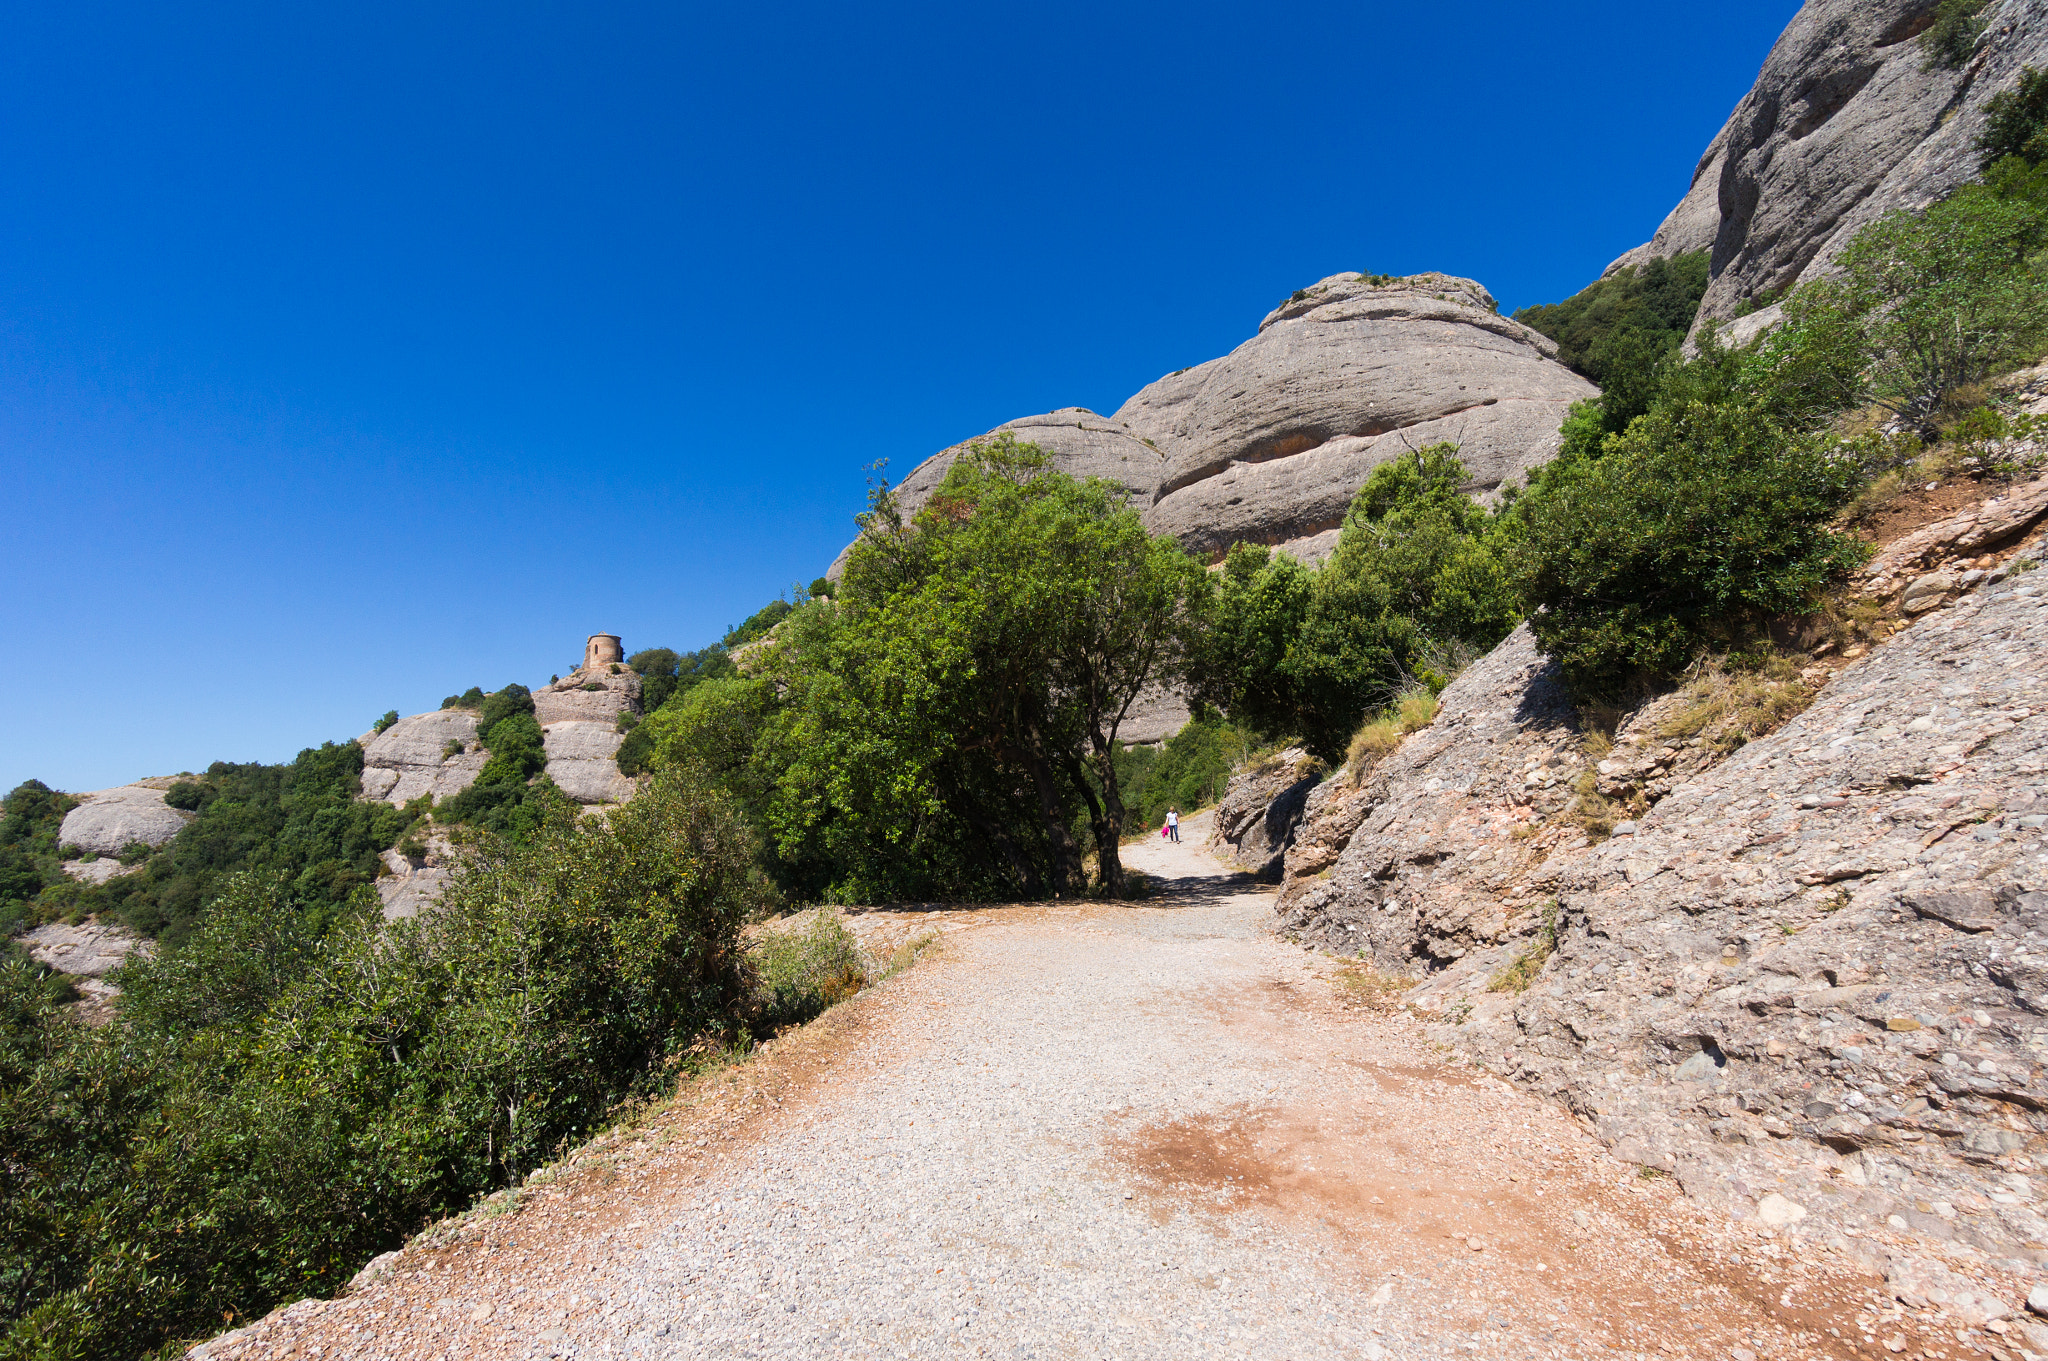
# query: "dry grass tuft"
1730,709
1367,987
1519,974
1411,711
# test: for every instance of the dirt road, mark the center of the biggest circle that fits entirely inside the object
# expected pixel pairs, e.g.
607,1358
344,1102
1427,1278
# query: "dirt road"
1099,1130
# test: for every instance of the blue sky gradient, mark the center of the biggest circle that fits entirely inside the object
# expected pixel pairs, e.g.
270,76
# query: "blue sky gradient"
348,359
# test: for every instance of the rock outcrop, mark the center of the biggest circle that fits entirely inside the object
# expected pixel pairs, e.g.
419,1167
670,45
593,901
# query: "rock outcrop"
1261,809
1269,443
87,953
1810,979
1082,444
408,885
1847,121
579,717
109,821
438,754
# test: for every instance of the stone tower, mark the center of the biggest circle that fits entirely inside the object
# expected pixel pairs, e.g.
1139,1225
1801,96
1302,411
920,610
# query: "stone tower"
601,651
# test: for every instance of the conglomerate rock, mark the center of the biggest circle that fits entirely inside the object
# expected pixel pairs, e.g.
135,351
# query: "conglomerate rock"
1270,442
1261,808
108,821
1848,120
1811,980
437,753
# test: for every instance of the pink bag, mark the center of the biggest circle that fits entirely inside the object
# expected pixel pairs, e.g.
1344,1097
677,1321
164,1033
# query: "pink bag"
1162,831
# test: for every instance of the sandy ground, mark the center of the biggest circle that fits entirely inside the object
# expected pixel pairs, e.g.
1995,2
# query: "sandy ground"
1101,1130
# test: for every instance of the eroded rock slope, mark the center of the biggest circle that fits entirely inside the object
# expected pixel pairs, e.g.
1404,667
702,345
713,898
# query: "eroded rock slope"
1811,980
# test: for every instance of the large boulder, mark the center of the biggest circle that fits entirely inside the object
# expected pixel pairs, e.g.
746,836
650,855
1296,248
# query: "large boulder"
1270,442
109,821
581,761
438,754
597,696
1847,121
1261,808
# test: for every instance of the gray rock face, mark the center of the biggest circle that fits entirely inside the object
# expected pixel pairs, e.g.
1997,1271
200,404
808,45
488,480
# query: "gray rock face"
1813,984
586,697
110,820
410,886
87,952
580,761
1270,442
1842,126
1261,809
1415,861
411,757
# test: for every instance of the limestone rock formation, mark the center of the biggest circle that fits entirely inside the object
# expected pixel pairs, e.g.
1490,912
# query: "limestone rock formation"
1415,861
1845,123
1262,807
438,754
409,885
108,821
1270,442
580,761
598,696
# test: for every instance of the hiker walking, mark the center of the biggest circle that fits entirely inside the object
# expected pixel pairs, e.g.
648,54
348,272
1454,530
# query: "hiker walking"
1173,824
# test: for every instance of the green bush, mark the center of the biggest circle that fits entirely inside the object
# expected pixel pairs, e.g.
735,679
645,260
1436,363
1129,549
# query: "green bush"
1953,35
1620,330
385,723
757,625
188,795
801,972
472,698
1925,304
1705,519
265,1114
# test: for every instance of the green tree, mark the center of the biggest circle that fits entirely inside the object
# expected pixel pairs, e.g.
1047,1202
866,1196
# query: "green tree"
1619,331
1923,305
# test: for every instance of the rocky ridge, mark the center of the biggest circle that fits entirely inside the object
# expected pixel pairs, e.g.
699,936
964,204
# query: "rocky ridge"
1270,442
108,821
1848,120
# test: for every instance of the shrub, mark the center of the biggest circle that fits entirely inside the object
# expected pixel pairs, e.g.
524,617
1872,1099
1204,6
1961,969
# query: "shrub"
2016,121
452,747
1692,529
1953,35
472,698
757,625
263,1115
502,704
801,972
187,795
1380,734
390,717
1923,306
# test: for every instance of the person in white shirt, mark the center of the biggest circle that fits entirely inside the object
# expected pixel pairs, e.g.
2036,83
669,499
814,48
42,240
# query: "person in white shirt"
1173,824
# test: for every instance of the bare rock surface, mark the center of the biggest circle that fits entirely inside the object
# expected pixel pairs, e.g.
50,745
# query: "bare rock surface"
1844,124
410,885
110,820
1262,807
588,697
1269,442
1416,860
438,754
1093,1130
87,952
1155,715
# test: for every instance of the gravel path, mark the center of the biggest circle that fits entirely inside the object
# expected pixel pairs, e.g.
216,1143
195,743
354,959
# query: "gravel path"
1096,1131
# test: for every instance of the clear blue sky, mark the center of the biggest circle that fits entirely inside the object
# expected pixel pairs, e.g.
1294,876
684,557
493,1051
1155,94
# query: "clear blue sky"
354,355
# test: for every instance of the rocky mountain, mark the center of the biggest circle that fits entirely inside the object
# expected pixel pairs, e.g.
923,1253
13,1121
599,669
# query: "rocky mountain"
1269,443
1810,979
1848,120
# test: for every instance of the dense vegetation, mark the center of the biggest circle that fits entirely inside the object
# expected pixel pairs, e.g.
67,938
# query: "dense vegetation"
1620,330
276,1104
